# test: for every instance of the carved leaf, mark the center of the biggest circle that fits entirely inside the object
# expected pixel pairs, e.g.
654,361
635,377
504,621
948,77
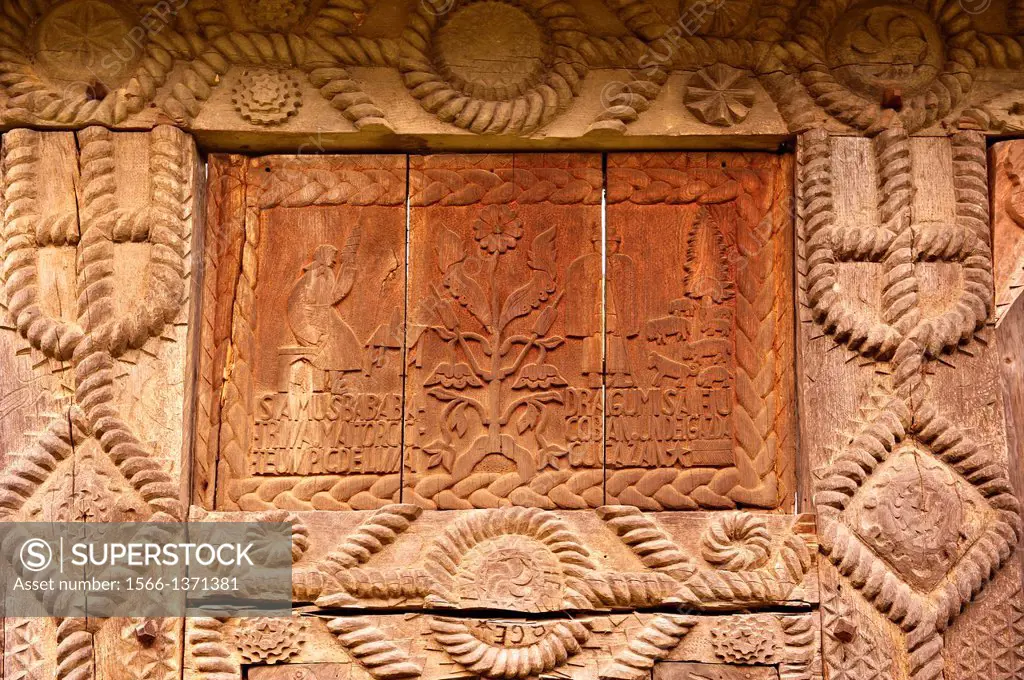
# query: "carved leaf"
528,419
527,298
468,293
457,421
552,342
450,250
543,252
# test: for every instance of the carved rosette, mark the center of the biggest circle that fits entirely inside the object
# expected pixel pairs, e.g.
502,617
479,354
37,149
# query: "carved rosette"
81,61
719,95
852,55
515,558
533,76
267,97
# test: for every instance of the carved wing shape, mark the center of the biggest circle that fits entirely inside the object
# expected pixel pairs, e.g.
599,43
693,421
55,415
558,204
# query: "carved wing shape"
347,276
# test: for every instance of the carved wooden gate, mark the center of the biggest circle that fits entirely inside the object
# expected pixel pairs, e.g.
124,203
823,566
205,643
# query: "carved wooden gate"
531,415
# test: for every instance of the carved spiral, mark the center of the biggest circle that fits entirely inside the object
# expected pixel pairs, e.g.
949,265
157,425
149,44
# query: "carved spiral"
739,541
561,641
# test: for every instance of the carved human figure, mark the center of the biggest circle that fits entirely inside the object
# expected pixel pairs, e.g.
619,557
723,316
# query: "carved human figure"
312,313
584,301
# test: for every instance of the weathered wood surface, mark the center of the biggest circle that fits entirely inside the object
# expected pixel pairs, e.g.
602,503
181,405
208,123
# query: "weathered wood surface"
312,401
901,411
435,646
441,74
100,270
504,334
533,560
699,379
1007,162
99,289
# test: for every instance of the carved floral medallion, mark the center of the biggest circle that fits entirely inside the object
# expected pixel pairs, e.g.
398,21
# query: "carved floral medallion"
918,516
494,66
87,40
719,95
275,15
267,97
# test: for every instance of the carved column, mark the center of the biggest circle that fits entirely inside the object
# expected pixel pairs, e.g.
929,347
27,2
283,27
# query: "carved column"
96,352
901,411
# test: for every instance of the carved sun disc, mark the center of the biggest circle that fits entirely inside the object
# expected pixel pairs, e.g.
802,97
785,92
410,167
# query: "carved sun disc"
87,41
918,516
877,46
491,49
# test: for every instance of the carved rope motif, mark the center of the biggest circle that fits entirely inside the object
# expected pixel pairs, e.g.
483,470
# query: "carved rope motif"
906,415
101,334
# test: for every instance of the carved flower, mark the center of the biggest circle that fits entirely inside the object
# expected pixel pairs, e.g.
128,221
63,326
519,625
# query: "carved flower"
270,640
276,15
267,97
539,376
895,44
497,229
268,548
719,95
77,40
742,642
738,541
456,376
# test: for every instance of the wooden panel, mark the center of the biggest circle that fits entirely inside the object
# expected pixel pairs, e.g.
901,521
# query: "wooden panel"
585,647
504,331
312,408
100,275
1007,162
99,290
699,385
902,420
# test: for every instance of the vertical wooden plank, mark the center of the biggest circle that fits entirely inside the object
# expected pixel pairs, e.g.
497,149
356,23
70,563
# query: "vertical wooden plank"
312,406
903,423
505,350
1006,160
699,372
40,329
99,281
222,261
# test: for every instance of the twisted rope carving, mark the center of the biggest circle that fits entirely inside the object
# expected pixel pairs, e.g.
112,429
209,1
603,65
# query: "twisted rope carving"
211,656
74,650
562,641
517,109
101,333
653,643
369,647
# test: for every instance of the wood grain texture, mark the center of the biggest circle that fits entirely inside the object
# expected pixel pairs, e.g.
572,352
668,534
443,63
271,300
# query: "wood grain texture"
517,592
590,647
901,413
536,74
311,412
699,331
505,330
1007,162
101,241
612,558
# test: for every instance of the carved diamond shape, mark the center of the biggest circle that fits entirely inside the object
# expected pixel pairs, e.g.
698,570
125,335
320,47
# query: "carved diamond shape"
917,515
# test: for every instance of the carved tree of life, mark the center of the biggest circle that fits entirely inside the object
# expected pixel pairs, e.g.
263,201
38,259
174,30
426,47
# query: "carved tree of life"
481,361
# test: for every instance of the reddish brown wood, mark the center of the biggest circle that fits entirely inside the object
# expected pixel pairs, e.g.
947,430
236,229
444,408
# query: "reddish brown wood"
312,409
504,335
699,384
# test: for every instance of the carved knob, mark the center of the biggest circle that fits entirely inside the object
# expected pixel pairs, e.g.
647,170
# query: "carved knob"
146,632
